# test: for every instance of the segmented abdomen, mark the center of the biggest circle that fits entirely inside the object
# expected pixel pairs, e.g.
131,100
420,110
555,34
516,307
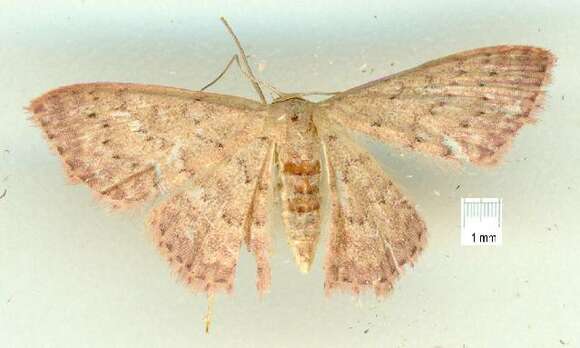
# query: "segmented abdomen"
299,163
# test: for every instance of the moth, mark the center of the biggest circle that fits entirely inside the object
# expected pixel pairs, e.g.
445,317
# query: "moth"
210,159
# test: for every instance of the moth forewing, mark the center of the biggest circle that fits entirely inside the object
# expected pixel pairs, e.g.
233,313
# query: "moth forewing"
126,141
467,106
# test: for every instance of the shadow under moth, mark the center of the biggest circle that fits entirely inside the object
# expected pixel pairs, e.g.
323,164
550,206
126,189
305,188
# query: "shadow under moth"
209,159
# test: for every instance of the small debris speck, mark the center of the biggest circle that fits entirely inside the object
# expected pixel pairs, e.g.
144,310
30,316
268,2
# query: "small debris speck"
262,66
363,68
457,187
3,193
366,331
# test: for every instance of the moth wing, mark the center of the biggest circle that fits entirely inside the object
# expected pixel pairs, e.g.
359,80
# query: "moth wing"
467,106
257,233
374,229
128,141
200,229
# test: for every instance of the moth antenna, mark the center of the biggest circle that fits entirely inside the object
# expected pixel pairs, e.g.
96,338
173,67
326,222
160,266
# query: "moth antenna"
247,71
236,59
245,61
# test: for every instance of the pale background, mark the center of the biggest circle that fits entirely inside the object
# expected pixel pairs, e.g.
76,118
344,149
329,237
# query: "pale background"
74,275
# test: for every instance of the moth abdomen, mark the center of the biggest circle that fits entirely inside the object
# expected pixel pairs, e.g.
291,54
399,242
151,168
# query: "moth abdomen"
306,184
302,167
299,163
304,202
301,205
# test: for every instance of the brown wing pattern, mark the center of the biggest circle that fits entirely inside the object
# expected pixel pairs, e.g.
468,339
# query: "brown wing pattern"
466,106
374,230
129,141
200,229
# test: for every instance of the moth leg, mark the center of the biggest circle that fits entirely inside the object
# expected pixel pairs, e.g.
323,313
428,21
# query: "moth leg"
247,70
236,59
258,238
